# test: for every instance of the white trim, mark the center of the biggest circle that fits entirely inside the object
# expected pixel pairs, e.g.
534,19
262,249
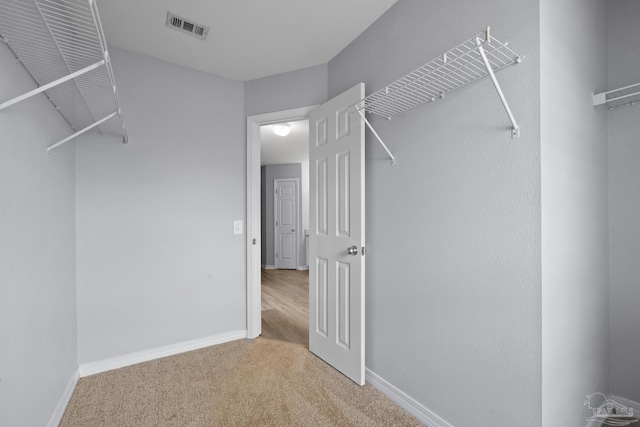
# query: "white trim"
100,366
58,413
254,300
273,267
409,404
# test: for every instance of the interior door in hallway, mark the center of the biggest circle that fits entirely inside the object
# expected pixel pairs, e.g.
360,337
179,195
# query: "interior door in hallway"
336,245
286,223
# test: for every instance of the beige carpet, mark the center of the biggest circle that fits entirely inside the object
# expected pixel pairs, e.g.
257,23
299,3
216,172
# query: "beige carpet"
262,382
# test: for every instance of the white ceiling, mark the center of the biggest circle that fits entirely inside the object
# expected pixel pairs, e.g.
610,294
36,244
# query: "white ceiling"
248,39
293,148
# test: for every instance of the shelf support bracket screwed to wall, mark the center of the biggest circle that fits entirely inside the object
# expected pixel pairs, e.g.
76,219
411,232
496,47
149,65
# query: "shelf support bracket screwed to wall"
515,130
393,158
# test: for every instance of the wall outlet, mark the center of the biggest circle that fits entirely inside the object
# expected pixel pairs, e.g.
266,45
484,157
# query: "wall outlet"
237,227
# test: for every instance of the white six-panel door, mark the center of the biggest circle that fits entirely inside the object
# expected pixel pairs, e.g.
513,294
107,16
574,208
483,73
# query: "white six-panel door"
286,223
336,261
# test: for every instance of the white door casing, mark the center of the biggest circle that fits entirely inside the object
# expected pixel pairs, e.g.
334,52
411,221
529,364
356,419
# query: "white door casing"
285,208
336,220
253,242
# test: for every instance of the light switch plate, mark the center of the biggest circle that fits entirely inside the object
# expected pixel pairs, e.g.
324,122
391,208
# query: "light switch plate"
237,227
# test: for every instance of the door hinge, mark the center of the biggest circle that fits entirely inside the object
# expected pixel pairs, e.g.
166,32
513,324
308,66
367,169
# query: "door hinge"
276,254
276,222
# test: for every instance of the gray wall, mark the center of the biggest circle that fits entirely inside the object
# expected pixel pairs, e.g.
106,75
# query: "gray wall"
37,254
158,262
624,200
575,309
269,173
300,88
453,230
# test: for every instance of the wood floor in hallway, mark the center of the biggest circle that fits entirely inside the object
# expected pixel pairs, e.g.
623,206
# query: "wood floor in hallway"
285,305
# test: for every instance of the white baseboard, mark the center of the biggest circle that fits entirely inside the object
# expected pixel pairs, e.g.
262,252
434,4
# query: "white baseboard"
273,267
409,404
93,368
58,413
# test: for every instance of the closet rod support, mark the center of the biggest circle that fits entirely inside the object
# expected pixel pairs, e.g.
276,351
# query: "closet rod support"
515,131
80,132
105,52
393,159
50,85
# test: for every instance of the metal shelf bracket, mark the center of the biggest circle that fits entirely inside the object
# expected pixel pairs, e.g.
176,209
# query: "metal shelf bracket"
393,158
515,130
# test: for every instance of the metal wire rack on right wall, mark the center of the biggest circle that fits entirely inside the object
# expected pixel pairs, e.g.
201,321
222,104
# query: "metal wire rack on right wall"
479,56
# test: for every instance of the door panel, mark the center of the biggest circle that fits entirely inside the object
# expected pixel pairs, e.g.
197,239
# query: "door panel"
343,184
336,278
322,298
344,314
321,199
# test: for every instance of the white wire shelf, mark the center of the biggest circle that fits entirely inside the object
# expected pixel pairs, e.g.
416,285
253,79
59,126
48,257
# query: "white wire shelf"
627,96
62,46
458,67
479,56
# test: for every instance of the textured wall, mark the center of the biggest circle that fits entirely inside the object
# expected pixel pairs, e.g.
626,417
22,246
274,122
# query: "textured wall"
37,254
624,200
300,88
575,309
453,230
158,262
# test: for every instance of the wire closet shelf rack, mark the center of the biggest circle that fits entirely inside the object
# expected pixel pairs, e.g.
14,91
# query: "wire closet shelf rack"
62,46
479,56
627,96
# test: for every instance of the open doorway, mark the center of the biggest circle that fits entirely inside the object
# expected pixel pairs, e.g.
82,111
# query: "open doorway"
259,129
284,194
284,213
337,220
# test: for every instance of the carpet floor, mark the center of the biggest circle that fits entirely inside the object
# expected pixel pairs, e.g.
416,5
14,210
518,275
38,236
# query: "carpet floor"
268,381
260,382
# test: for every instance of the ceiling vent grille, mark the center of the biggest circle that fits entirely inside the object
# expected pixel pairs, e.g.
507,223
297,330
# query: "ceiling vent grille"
186,26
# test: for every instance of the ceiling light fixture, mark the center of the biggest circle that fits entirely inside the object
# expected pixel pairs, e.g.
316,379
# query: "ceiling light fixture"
282,129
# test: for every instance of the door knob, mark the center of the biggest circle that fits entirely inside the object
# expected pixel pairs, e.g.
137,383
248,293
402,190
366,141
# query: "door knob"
353,250
293,229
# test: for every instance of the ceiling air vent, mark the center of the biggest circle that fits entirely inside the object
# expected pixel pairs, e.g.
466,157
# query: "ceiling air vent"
187,26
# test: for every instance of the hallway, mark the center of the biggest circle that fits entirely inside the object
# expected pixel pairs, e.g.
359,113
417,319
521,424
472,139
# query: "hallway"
285,306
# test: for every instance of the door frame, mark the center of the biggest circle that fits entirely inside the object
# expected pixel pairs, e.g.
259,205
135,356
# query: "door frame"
253,242
297,219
